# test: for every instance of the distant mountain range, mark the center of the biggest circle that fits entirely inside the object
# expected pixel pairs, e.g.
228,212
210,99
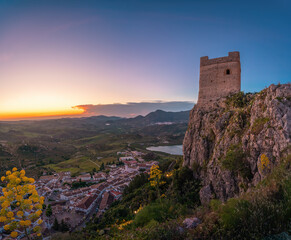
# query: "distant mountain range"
43,142
158,116
160,121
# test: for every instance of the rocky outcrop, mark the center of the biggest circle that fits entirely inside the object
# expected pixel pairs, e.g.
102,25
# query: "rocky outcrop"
234,143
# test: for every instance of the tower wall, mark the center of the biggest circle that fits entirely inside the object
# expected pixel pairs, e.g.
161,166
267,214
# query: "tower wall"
219,77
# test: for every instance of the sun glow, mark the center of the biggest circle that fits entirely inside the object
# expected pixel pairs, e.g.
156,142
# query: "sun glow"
28,115
33,106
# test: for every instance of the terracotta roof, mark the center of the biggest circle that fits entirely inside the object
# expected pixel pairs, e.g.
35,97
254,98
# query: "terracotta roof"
47,178
107,199
86,202
115,193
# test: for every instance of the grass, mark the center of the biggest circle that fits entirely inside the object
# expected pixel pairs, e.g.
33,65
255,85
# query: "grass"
266,208
79,165
235,161
258,125
68,144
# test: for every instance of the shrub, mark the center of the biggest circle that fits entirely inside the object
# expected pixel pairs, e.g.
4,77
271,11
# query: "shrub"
157,211
185,188
235,161
265,211
238,100
258,125
137,182
164,231
21,206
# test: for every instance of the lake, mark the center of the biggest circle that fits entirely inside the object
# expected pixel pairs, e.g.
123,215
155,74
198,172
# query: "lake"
174,150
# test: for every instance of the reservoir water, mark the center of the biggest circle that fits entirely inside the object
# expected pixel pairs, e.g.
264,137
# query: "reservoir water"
174,150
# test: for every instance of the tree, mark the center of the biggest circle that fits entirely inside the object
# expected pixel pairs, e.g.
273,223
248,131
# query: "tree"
49,211
21,205
64,227
156,179
56,225
102,167
150,156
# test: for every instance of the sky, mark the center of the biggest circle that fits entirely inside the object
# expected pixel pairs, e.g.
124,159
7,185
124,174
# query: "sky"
56,55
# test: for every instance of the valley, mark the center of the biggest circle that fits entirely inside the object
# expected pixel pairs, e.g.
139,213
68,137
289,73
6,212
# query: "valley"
80,145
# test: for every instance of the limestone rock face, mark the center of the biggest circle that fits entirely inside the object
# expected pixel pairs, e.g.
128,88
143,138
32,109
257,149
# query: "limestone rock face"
233,143
190,223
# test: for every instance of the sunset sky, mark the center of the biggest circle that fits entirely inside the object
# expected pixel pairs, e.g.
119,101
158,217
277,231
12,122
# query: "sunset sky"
55,55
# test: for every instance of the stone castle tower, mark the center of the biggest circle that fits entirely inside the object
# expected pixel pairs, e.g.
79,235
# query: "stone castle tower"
219,77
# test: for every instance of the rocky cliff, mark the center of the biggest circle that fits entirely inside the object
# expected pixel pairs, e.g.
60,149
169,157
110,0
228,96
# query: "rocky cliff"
232,144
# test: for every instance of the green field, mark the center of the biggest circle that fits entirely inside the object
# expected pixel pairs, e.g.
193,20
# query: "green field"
79,145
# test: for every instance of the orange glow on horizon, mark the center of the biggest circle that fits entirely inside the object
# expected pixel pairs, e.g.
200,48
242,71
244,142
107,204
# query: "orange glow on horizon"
28,115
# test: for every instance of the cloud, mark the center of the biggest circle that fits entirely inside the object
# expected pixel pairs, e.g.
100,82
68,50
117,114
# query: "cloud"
133,109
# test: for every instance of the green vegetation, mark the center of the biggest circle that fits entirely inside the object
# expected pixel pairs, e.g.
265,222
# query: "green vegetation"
139,215
239,100
235,161
79,145
258,125
142,207
267,209
156,212
49,211
80,184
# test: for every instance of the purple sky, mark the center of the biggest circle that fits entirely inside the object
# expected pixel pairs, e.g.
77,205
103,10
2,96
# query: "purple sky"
59,54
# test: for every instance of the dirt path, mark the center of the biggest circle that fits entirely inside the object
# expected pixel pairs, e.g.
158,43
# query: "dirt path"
95,163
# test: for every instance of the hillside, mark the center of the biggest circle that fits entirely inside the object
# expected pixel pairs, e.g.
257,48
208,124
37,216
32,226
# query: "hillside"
159,117
235,174
78,144
234,143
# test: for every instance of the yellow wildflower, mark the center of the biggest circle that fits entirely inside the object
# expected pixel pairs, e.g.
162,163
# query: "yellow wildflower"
14,234
18,186
38,206
18,198
36,229
31,180
22,223
6,227
5,204
19,213
27,223
25,179
18,180
10,214
38,213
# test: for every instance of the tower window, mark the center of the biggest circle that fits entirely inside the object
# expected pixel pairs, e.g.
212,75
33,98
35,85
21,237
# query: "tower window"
227,72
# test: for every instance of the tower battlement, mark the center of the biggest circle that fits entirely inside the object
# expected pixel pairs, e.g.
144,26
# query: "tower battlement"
219,77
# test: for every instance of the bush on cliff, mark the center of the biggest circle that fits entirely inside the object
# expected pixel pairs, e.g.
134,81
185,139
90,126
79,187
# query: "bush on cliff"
158,212
238,100
258,125
264,211
235,161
